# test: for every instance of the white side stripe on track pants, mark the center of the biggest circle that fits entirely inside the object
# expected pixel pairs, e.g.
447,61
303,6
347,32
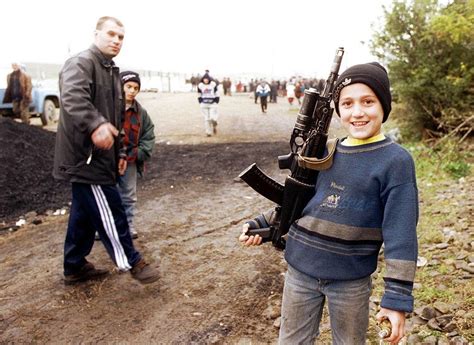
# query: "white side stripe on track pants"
110,228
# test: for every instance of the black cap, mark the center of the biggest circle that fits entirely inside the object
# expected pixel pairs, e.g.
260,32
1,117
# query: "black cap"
372,74
127,76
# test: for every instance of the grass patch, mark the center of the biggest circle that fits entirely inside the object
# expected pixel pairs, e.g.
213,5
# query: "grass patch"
445,159
440,171
430,291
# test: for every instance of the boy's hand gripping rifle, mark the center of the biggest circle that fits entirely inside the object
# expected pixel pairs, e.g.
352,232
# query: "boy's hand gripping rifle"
308,144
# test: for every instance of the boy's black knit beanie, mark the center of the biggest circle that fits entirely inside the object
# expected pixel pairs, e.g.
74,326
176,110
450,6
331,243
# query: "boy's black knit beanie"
206,76
127,76
372,74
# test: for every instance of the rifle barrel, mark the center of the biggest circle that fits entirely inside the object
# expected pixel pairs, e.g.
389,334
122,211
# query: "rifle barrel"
336,64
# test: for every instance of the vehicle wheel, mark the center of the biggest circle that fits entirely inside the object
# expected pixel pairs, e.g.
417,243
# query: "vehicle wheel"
48,116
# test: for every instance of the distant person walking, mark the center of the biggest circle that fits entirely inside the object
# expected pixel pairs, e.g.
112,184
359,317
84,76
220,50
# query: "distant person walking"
208,100
263,90
194,83
139,140
227,85
18,92
90,155
290,92
273,91
299,91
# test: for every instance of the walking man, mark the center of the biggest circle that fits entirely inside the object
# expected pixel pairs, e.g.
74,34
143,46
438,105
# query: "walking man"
90,155
18,92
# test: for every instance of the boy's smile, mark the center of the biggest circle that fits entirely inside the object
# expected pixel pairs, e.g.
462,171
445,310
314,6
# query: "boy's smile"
361,111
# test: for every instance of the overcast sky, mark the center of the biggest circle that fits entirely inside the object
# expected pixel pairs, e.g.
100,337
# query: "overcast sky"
229,37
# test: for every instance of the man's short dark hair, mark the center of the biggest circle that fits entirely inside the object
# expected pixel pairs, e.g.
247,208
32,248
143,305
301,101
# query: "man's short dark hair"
102,20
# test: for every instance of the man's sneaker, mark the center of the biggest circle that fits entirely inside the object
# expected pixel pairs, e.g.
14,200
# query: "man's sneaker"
133,233
87,272
144,273
97,237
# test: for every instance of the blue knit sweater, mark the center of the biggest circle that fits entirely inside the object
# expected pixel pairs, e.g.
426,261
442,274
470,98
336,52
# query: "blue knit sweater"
368,197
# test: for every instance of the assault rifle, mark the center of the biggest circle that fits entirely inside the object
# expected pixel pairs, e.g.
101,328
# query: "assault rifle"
307,144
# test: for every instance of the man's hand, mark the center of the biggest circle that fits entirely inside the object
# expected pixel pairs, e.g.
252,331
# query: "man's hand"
397,319
122,166
247,240
103,136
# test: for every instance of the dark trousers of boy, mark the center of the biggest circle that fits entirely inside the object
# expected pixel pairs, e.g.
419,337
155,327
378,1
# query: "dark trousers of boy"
97,207
263,103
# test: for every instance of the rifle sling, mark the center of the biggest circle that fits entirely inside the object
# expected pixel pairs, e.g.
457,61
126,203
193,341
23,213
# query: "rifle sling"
316,163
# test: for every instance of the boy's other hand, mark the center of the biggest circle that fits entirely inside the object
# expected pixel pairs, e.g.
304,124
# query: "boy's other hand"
122,166
397,319
246,240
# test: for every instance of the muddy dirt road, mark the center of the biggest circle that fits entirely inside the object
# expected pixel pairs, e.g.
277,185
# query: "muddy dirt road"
190,211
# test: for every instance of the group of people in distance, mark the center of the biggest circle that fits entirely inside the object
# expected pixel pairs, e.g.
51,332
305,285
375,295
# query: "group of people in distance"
366,199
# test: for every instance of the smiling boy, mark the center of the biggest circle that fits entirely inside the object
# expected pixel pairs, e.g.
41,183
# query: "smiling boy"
367,198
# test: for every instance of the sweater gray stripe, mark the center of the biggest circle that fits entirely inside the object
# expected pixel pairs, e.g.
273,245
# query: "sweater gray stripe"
398,290
341,231
400,269
332,247
362,148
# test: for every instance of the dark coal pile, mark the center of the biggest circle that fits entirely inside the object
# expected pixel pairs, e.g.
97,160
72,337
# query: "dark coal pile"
26,181
27,154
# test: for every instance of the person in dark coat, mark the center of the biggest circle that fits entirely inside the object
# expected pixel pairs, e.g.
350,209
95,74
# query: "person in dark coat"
90,155
18,92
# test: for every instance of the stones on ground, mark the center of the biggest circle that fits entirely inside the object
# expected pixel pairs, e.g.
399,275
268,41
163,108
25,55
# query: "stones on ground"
414,339
428,313
29,216
277,322
466,267
442,307
8,229
20,222
421,261
440,317
430,340
272,312
458,340
442,245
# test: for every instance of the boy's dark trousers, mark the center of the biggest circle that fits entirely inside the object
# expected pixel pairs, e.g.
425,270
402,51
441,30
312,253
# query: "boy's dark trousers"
97,208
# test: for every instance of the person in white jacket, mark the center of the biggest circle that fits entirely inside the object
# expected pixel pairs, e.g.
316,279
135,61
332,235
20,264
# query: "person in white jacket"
209,99
263,91
290,91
